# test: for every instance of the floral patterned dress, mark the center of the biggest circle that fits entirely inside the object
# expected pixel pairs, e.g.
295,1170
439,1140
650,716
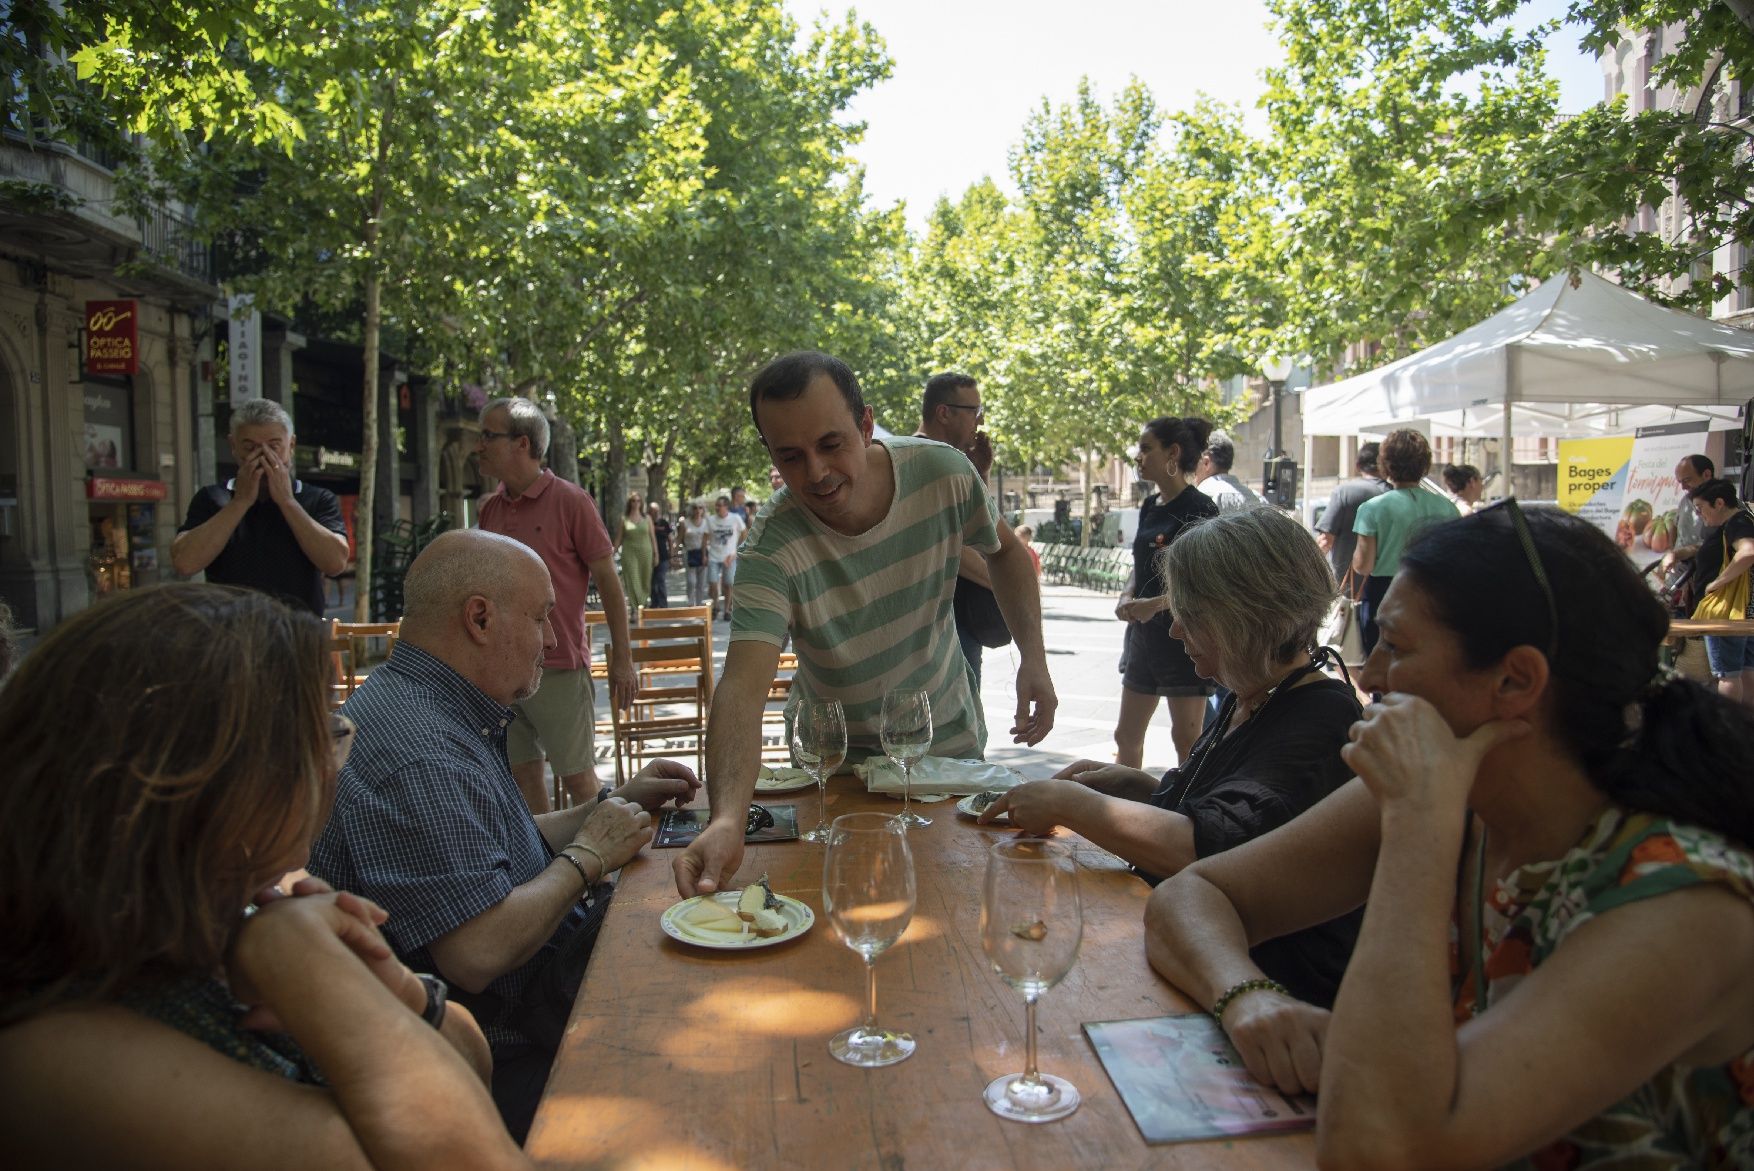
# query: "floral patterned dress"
1683,1117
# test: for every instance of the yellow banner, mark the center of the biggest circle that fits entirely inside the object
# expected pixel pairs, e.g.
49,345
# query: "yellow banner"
1592,475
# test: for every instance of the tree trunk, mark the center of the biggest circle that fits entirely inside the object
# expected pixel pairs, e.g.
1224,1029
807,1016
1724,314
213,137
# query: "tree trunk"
368,456
614,500
563,449
658,473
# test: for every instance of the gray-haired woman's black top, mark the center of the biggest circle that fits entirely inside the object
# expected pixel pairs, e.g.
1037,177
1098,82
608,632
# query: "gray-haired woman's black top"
1277,765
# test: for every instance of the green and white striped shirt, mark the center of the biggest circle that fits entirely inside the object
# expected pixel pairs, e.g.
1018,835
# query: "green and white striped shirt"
872,612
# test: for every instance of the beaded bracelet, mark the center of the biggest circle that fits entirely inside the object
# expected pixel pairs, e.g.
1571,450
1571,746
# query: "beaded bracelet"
1236,990
576,865
602,862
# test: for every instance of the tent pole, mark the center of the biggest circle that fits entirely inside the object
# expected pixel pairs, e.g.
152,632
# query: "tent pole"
1308,471
1504,459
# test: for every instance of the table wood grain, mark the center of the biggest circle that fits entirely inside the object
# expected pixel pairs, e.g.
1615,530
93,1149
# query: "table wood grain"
681,1057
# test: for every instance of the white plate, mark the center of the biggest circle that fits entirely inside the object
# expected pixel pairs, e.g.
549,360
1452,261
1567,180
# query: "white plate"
799,919
968,807
783,780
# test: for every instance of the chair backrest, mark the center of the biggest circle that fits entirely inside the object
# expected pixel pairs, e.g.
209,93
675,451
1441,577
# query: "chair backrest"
674,648
649,615
362,646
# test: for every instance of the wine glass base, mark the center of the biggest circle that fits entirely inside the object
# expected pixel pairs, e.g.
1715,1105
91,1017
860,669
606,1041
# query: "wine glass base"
912,818
1013,1098
870,1048
819,834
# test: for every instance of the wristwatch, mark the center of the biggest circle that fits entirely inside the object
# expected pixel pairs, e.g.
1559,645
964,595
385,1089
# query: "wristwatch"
437,994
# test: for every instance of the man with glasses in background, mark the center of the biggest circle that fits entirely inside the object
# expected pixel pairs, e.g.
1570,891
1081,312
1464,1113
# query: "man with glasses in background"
561,523
951,412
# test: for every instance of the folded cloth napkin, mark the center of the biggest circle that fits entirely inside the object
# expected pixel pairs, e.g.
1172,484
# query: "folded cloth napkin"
935,776
780,778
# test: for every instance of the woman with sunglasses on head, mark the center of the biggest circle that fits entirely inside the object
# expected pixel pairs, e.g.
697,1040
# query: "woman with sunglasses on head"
169,756
1553,835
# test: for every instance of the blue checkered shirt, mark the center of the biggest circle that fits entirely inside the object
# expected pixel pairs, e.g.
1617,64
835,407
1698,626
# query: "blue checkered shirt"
428,821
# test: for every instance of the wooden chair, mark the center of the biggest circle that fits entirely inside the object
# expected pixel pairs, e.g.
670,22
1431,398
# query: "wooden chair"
774,748
668,714
355,648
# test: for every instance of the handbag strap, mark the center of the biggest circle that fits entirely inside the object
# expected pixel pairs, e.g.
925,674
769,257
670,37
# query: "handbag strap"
1351,586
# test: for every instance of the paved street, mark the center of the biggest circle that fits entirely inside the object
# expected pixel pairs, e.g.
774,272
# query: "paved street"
1084,645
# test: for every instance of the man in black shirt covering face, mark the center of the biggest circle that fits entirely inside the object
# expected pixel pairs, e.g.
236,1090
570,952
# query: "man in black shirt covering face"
264,530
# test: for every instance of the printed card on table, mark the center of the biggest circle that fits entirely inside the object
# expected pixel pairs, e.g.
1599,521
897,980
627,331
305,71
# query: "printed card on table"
767,823
1181,1080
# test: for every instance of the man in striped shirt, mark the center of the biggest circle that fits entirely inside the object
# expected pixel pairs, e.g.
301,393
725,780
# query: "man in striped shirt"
856,559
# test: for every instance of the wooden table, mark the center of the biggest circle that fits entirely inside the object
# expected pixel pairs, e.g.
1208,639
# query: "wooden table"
1694,627
680,1057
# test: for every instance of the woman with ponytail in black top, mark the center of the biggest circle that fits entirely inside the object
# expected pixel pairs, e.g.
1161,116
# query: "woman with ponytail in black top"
1153,664
1554,837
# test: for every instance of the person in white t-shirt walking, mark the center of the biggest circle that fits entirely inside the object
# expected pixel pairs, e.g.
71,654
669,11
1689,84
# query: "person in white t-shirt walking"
724,532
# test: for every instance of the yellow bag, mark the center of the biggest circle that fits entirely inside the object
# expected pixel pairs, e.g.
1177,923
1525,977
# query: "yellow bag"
1728,604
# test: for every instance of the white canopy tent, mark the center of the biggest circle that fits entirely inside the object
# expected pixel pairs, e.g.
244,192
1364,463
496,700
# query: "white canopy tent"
1563,361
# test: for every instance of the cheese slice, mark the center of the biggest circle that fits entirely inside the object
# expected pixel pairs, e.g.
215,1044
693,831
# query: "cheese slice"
712,915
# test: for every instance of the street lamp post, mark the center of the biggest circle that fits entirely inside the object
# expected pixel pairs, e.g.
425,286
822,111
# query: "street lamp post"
1277,371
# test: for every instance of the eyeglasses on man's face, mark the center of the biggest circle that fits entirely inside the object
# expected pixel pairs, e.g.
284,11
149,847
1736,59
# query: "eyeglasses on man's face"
489,436
980,413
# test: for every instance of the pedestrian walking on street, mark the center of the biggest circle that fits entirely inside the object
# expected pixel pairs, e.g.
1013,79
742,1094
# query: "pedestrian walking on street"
661,531
637,546
691,535
1153,664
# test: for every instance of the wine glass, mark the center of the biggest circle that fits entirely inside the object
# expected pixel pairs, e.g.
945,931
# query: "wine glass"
1030,928
907,735
819,742
868,896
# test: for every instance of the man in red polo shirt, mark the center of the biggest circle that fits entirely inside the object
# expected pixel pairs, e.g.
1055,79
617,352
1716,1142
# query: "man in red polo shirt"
561,523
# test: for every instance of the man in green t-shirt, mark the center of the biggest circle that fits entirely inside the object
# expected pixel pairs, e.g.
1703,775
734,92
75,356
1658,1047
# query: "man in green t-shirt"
1385,524
856,560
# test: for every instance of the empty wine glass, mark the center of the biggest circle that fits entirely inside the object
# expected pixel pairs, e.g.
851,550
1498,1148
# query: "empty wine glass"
819,742
1030,927
868,896
907,735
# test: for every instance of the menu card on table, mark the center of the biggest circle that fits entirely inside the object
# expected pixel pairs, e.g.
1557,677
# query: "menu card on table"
1181,1079
767,823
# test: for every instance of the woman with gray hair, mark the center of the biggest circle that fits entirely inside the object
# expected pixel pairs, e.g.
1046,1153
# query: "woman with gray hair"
1248,590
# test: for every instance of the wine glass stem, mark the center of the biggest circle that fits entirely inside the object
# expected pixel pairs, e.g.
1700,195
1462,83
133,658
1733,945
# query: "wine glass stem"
870,995
821,799
1029,1073
907,787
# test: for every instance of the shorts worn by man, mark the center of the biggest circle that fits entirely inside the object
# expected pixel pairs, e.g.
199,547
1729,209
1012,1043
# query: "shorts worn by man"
264,530
428,821
857,560
561,523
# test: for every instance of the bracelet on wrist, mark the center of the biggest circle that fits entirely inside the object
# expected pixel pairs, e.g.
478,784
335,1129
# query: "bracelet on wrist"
602,863
1235,990
578,865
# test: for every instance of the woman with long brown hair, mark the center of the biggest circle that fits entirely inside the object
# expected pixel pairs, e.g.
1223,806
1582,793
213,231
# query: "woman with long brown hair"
170,756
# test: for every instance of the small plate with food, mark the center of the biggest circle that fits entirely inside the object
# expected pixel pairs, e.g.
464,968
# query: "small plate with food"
732,920
976,804
782,780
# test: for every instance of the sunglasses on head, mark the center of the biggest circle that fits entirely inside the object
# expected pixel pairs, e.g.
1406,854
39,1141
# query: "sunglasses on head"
1520,526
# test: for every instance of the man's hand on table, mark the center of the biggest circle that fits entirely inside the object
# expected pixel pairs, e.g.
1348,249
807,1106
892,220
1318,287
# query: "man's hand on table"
1035,704
711,860
658,783
616,829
